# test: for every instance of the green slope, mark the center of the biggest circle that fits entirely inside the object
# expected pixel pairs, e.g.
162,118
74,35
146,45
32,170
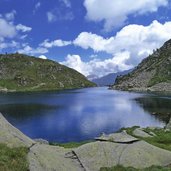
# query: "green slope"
20,72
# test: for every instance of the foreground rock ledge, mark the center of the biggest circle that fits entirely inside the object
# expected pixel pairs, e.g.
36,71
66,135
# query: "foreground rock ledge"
128,151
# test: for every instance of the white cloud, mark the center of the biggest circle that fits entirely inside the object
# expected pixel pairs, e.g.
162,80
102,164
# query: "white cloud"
10,15
7,29
12,44
88,40
32,51
75,62
139,45
115,13
23,36
51,17
55,43
23,28
42,57
126,47
98,67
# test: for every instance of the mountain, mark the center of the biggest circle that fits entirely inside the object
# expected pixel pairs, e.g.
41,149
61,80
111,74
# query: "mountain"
152,74
109,79
20,72
92,77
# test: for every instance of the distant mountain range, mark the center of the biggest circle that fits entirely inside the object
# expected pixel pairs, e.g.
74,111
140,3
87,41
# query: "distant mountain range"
107,79
20,72
152,74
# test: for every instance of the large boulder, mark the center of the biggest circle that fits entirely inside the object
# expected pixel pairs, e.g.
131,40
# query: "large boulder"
11,136
138,154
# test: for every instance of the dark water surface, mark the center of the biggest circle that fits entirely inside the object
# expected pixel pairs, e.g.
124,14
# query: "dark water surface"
82,114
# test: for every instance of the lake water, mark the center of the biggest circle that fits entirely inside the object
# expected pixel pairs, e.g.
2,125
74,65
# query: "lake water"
82,114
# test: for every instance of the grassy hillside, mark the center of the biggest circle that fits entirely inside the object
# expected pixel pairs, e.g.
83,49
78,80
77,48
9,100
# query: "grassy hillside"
20,72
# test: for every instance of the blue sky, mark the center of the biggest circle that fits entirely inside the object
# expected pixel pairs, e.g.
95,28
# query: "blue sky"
95,37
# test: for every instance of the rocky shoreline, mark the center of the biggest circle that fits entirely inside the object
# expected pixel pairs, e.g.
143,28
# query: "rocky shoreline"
107,151
158,88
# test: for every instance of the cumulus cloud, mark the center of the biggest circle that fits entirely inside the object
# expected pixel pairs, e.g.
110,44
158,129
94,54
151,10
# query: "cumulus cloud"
12,44
32,51
97,66
88,40
55,43
138,40
128,47
115,13
75,62
7,29
42,57
23,28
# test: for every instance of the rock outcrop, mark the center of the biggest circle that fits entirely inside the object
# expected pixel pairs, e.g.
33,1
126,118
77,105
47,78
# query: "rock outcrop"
152,74
139,154
52,158
11,136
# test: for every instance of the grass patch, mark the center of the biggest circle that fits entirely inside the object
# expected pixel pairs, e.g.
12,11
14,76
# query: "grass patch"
161,140
71,144
121,168
13,159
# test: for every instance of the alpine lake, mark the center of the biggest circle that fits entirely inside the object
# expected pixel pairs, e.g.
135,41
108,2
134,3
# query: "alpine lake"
82,114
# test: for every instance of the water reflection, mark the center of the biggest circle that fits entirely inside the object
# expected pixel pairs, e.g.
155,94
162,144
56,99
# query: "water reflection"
22,112
158,106
78,114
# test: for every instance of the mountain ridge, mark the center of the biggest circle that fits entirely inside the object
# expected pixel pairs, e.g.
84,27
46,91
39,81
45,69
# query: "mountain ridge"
152,74
109,79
